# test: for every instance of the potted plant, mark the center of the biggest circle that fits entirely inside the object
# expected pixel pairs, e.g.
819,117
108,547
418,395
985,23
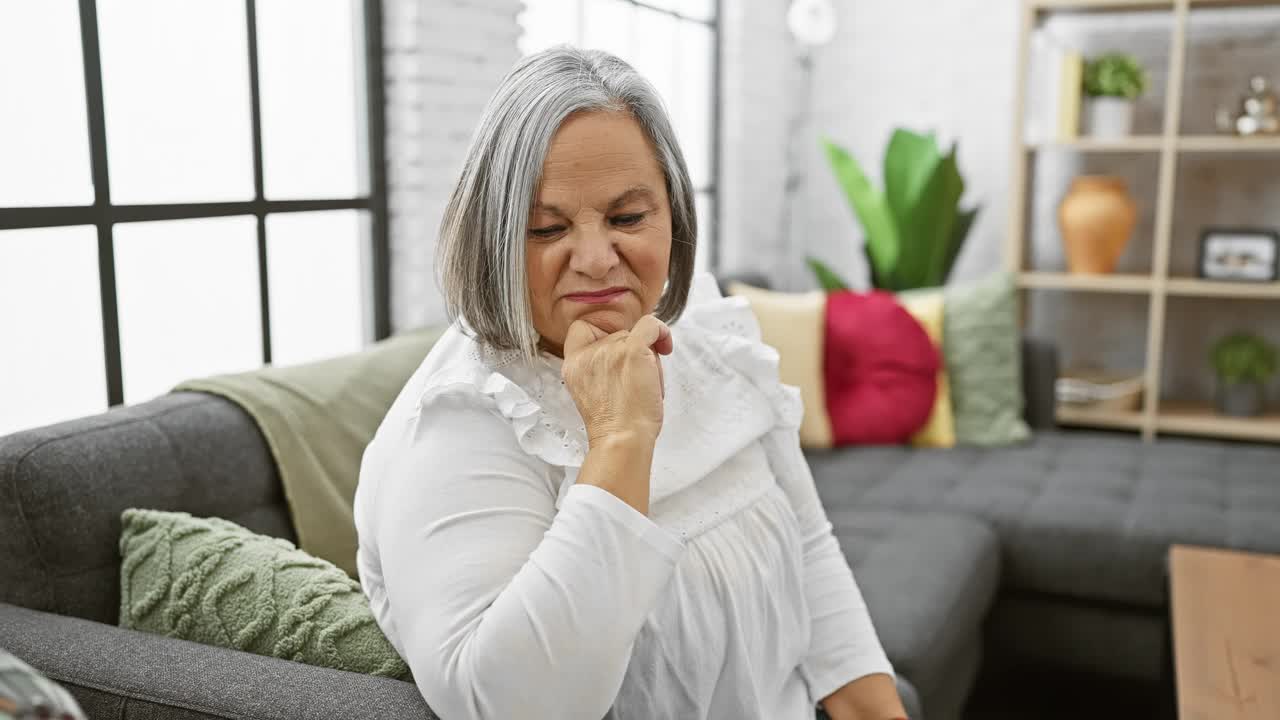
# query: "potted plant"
913,230
1244,363
1112,82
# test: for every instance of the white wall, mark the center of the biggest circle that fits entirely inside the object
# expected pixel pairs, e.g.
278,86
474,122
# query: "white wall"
948,65
757,70
443,60
927,64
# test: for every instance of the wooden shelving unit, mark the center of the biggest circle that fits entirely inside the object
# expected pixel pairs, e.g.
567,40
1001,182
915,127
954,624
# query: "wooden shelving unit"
1157,415
1199,419
1221,143
1114,419
1118,283
1135,144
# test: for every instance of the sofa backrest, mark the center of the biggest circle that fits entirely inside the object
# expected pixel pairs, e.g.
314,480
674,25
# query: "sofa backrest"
63,487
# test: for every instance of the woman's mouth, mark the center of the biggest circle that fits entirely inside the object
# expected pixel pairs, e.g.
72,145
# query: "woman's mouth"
597,297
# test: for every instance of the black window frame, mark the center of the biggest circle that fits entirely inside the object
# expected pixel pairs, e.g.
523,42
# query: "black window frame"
710,235
103,214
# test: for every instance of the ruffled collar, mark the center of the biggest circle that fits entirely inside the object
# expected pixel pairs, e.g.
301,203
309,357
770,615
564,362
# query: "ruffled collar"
722,393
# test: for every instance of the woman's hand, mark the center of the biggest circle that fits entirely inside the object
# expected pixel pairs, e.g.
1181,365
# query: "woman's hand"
616,379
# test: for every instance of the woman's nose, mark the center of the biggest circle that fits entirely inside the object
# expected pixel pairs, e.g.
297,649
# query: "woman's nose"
593,253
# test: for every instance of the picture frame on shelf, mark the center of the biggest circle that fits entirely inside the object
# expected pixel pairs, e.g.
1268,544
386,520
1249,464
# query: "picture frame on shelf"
1235,254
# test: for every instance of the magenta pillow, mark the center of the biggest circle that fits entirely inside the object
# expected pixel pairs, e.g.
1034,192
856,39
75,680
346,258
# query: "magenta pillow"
880,369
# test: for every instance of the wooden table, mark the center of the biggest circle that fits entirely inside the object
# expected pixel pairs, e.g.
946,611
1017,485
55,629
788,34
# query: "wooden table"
1225,608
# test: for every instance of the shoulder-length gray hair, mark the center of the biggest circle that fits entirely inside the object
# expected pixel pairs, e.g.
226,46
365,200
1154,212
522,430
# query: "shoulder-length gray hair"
481,253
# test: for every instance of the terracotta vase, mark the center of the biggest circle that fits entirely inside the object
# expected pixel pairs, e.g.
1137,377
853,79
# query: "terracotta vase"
1096,217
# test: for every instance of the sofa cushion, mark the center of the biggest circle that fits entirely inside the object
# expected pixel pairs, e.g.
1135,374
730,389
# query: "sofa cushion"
63,487
794,325
981,349
880,369
212,581
1079,514
940,429
928,580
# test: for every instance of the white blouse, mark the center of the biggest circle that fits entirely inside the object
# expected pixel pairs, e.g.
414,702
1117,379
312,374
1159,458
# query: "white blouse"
513,592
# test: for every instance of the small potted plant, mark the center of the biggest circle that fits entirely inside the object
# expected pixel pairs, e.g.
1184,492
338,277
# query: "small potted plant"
1244,363
1112,82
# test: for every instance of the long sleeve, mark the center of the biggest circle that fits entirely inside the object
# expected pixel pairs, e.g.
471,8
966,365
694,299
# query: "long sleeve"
502,606
843,645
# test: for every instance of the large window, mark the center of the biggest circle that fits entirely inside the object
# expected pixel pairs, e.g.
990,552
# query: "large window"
186,188
673,43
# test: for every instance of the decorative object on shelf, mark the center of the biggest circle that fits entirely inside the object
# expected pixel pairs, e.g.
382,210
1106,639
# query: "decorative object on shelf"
1259,112
1244,363
913,231
1096,217
1070,78
1099,390
1054,78
1112,82
1239,254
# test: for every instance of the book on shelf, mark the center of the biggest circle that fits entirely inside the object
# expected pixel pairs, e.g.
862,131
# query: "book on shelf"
1072,77
1054,77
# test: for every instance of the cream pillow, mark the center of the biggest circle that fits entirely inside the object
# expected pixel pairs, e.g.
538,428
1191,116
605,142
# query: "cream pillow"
794,324
928,310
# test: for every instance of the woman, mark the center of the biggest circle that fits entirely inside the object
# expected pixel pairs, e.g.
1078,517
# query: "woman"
574,509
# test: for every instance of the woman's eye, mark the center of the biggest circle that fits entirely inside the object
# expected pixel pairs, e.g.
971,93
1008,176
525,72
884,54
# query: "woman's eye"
628,219
546,232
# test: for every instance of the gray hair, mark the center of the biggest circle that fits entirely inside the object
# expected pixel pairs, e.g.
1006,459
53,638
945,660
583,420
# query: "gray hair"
481,253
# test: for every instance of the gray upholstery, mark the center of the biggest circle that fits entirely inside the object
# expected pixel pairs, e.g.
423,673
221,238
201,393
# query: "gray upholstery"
118,673
1030,629
929,580
1079,515
68,483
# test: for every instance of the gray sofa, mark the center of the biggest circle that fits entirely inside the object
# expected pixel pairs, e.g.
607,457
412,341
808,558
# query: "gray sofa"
1051,552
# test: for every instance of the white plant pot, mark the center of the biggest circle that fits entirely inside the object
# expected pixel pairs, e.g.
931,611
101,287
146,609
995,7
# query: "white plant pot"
1110,117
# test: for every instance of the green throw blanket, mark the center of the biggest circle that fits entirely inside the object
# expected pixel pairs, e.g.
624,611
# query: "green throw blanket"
317,419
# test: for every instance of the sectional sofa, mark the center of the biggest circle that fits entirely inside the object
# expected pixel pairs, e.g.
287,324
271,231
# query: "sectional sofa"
1049,553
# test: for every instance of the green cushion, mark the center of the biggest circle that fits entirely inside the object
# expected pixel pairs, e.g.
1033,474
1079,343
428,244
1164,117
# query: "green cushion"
214,582
980,343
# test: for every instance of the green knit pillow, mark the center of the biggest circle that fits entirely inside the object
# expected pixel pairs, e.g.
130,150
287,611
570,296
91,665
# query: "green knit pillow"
214,582
981,345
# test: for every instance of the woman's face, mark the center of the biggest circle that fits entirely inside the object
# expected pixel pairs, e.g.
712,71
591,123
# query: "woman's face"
600,228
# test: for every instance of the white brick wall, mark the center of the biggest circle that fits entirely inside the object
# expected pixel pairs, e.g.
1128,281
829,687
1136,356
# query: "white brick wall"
756,73
443,60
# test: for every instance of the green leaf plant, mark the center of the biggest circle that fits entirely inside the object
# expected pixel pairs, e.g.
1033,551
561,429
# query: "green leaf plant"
1243,358
1114,75
914,229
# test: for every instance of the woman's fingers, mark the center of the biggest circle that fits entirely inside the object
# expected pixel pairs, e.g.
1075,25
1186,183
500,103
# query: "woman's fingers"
581,334
664,345
650,332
